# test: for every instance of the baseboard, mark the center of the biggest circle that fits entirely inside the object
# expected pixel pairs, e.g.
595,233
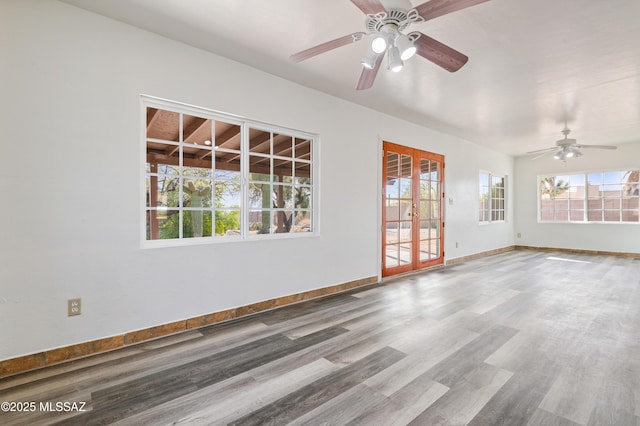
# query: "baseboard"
474,256
580,251
47,358
50,357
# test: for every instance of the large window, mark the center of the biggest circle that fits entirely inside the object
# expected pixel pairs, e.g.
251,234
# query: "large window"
214,176
610,196
492,198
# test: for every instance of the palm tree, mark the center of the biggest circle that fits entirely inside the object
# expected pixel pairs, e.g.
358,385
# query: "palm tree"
549,186
632,185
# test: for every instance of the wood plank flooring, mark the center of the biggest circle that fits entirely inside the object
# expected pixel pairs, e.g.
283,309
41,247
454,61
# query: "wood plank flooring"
520,338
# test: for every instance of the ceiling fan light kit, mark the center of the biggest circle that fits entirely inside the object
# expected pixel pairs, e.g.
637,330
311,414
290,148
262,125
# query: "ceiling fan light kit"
406,47
369,60
395,63
382,40
386,26
567,148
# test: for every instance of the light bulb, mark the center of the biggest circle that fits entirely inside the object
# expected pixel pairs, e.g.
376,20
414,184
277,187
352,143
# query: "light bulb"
379,43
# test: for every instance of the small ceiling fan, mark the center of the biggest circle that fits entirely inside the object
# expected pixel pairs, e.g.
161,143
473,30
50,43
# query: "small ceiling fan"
567,148
386,29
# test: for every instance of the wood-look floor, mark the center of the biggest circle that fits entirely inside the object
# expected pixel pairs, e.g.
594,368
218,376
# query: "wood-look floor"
520,338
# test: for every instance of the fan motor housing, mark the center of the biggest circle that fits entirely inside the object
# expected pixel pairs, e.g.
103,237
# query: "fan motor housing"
566,142
396,17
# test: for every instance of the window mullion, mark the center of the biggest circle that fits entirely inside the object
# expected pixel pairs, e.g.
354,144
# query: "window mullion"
271,180
244,185
180,176
585,213
492,198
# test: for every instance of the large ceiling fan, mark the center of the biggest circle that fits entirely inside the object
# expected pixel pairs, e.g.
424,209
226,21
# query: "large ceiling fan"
386,28
567,148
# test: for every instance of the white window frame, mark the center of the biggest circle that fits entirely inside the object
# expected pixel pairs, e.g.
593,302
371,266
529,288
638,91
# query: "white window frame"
244,123
584,199
491,210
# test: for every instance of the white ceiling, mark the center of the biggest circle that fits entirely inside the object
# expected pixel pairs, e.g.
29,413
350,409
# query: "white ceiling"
533,64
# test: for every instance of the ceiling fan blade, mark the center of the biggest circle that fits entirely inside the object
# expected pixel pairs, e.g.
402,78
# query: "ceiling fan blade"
368,76
440,54
434,8
325,47
596,146
369,7
540,156
543,150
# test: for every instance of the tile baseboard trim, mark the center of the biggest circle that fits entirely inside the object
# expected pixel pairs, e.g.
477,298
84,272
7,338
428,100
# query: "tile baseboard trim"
482,254
474,256
580,251
56,356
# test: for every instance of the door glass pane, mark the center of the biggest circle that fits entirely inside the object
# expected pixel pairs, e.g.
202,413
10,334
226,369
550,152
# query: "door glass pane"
405,188
405,232
393,210
425,227
405,253
426,209
392,255
426,250
393,187
435,229
424,168
435,190
392,233
425,190
393,164
405,209
406,166
435,170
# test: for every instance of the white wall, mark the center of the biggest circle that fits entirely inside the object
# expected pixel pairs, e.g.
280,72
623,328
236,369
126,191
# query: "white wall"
69,182
613,237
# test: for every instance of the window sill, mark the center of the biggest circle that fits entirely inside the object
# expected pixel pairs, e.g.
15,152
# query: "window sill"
153,244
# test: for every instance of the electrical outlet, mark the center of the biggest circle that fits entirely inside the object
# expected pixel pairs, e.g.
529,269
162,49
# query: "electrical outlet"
519,235
74,307
456,244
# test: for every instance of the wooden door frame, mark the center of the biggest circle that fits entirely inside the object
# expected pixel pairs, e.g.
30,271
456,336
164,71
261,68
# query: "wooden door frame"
416,154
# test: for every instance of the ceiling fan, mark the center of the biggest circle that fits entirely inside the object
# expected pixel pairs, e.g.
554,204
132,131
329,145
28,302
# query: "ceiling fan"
567,148
386,28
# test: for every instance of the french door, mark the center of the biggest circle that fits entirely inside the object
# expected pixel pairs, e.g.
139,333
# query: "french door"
412,236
